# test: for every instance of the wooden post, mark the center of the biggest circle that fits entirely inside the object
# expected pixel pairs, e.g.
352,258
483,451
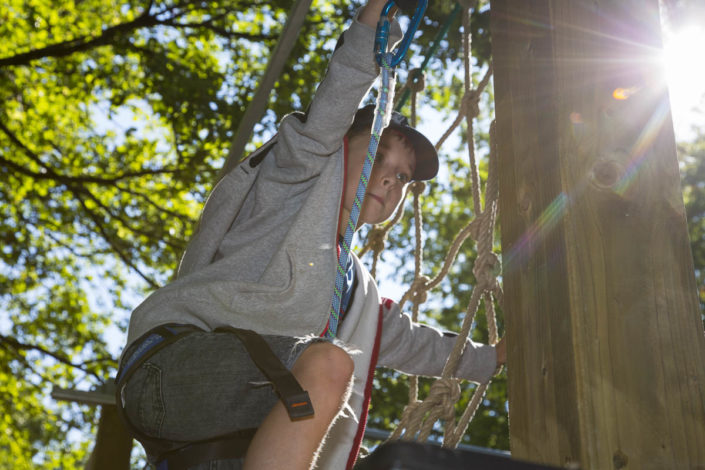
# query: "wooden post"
606,353
113,444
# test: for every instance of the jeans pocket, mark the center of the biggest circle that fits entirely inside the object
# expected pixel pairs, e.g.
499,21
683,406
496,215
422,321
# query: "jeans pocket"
144,400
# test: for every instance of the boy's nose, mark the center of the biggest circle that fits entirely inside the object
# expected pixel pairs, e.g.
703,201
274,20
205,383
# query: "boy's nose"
388,179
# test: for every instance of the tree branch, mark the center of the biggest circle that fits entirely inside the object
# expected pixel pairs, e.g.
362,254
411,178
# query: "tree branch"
66,246
184,219
17,346
53,175
108,35
209,24
108,210
84,43
78,191
125,259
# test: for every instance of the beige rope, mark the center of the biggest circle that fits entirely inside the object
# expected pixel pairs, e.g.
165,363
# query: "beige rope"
419,417
469,107
418,290
416,83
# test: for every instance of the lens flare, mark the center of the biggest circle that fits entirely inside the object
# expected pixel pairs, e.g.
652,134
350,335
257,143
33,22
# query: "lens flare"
622,94
639,151
527,243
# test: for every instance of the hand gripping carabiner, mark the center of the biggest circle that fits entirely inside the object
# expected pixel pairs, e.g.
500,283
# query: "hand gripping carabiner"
382,35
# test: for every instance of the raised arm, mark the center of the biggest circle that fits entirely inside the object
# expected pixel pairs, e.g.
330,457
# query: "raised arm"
351,73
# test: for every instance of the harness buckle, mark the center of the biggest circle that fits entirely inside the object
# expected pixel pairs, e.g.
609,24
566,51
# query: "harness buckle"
382,35
298,405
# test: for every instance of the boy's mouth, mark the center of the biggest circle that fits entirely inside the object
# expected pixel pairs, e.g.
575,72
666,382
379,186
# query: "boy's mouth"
376,198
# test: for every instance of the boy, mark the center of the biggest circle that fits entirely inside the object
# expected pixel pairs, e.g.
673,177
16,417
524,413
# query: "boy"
264,259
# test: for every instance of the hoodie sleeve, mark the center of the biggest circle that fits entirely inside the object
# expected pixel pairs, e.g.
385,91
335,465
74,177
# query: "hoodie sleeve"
418,349
351,72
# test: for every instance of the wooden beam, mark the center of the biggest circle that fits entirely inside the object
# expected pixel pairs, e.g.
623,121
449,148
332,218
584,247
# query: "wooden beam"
80,396
606,353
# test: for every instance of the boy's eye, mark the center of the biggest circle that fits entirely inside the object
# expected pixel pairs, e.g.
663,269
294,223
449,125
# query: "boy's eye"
403,178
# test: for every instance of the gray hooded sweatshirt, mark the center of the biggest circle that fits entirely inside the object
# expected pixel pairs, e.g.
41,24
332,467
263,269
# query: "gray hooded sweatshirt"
264,255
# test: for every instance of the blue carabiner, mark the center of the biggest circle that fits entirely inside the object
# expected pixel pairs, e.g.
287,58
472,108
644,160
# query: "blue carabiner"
382,35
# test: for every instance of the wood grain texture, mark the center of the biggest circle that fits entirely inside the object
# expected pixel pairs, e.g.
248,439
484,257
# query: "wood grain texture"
606,353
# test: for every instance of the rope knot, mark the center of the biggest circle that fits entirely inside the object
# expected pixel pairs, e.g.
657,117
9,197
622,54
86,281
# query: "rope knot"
419,290
409,422
445,392
486,269
410,409
416,80
376,238
471,103
417,187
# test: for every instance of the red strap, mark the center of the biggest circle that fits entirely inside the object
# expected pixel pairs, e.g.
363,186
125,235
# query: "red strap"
368,394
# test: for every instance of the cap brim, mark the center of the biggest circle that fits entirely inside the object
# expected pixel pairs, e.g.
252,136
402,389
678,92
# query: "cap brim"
425,152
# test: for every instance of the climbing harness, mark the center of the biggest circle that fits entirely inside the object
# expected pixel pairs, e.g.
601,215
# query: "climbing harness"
387,61
168,456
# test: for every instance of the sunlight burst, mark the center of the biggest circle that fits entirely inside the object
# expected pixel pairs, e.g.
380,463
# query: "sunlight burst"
685,72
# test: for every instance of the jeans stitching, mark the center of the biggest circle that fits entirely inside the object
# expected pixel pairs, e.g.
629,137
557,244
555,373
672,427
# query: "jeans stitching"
155,401
162,405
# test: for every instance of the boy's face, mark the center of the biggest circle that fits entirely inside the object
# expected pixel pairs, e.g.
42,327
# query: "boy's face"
392,170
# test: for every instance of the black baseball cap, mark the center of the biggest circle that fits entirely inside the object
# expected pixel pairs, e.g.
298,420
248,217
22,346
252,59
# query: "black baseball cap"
426,156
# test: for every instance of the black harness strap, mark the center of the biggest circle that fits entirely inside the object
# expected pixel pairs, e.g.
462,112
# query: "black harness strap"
230,446
167,334
295,398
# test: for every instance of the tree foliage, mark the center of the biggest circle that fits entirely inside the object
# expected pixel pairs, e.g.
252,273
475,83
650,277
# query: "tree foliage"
692,157
116,117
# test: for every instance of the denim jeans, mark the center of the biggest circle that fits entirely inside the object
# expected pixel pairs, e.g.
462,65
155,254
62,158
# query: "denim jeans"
202,386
